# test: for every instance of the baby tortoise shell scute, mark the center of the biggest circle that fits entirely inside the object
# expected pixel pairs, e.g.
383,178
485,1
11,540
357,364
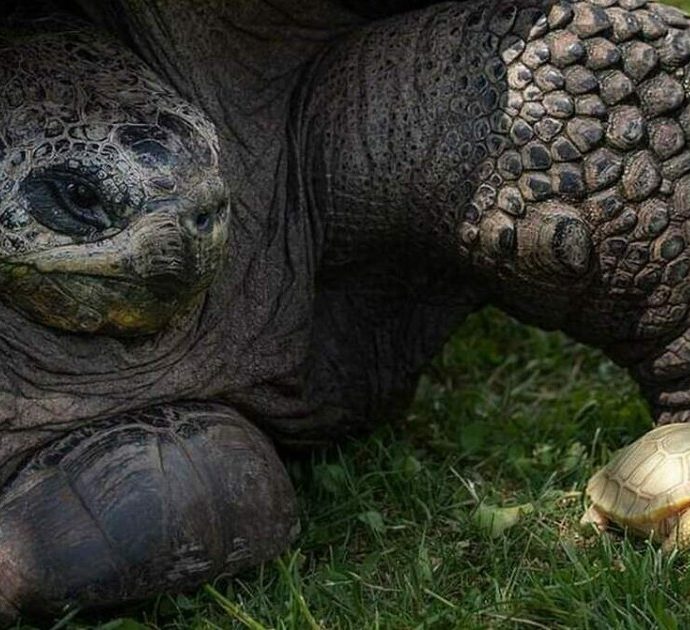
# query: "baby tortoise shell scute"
647,481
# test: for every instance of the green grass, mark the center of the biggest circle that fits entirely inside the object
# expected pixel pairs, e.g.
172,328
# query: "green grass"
398,529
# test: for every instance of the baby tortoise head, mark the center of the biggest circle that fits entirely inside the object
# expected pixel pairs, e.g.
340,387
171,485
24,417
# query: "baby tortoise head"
113,214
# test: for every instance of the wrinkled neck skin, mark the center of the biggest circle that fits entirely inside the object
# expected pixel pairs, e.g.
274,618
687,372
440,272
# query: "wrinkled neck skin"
254,56
245,340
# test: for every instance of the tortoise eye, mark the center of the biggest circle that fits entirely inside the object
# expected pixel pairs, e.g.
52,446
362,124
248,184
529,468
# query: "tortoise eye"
66,204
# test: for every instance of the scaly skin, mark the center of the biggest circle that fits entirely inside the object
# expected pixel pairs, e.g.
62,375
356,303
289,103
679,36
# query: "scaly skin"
131,503
539,148
113,212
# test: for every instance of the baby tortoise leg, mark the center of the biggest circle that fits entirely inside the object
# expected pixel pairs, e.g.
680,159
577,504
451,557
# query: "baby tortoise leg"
153,501
595,518
679,536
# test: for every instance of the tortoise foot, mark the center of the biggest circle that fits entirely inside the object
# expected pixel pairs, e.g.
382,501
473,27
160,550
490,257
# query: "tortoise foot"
593,518
160,500
679,536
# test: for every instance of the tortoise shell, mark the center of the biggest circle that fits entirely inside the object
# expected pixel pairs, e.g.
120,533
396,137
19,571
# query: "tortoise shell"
647,481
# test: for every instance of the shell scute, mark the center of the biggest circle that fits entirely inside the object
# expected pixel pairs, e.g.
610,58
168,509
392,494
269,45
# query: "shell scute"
638,512
610,493
640,476
631,458
627,497
665,504
668,475
676,442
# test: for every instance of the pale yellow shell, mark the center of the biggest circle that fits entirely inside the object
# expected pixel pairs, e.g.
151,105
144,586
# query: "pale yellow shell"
647,481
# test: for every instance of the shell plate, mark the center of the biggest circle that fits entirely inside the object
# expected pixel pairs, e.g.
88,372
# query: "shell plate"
647,481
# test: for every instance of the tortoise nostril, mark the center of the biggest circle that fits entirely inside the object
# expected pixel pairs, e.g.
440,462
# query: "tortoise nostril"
201,221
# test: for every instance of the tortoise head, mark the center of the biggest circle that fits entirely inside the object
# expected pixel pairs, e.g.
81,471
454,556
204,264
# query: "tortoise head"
113,213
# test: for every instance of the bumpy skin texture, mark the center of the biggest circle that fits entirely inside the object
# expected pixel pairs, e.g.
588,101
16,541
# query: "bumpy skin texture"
541,144
386,178
112,210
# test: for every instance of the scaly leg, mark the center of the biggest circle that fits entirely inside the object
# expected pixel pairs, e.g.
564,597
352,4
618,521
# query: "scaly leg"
679,536
596,518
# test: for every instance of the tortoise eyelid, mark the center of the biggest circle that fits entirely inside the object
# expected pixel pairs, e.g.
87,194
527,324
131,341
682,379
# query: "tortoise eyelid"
51,205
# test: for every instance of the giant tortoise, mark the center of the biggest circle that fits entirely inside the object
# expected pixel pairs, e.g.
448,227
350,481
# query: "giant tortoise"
228,226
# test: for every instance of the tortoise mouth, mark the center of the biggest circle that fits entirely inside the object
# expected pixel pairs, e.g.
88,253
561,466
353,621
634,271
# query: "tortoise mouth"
133,283
96,305
103,306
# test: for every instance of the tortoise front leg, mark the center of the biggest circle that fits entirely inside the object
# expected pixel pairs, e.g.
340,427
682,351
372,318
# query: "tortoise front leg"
595,518
679,536
157,500
523,144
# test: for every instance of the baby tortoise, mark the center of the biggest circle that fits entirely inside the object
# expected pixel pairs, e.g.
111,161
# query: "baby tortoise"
646,488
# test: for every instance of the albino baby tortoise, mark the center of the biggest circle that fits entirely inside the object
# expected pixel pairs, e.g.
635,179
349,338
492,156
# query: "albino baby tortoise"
646,488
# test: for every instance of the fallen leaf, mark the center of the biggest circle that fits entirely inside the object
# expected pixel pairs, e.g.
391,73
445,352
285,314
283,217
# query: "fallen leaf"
496,520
